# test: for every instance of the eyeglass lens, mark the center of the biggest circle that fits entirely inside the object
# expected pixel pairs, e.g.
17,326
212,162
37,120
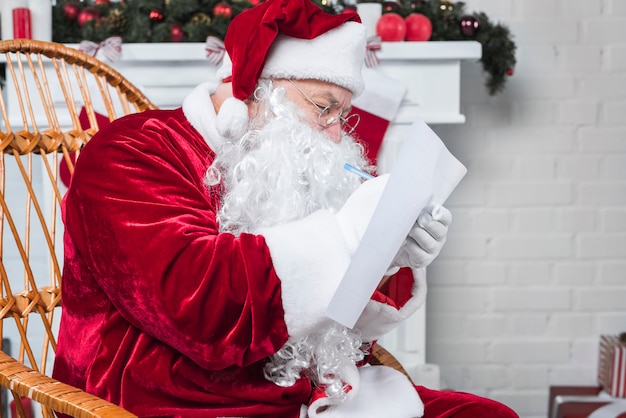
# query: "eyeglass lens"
332,113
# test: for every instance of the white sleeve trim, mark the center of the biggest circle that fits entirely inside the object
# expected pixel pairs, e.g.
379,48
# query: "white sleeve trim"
310,257
378,391
379,318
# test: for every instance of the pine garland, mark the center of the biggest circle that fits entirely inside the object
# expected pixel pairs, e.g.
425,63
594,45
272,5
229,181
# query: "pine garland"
145,21
498,48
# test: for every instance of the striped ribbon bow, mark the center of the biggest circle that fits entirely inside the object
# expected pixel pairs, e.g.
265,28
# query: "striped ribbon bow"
111,48
374,44
215,50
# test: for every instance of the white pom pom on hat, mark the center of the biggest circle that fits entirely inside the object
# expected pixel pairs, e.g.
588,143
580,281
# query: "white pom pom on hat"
289,39
232,118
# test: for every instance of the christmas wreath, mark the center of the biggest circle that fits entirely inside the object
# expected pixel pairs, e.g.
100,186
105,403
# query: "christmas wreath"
144,21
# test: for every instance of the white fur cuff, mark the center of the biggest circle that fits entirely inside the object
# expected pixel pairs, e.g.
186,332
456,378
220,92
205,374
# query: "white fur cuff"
310,257
381,392
378,318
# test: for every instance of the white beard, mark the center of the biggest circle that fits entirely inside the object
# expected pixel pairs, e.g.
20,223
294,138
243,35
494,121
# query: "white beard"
283,170
280,171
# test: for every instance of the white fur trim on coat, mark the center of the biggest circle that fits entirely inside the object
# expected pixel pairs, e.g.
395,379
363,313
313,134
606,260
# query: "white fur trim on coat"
379,318
377,392
310,257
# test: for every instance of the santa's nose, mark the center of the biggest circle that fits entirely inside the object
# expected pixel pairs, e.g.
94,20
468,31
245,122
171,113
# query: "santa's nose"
334,132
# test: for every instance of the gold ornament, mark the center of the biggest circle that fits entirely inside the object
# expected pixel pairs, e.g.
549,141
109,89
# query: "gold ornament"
117,20
201,19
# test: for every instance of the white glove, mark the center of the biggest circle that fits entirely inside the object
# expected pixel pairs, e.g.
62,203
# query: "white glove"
425,240
356,213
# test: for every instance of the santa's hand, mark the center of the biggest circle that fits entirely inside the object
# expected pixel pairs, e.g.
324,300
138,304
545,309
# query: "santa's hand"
355,214
425,240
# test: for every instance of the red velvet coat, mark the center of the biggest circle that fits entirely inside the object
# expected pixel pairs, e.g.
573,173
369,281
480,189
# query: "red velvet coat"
149,321
161,314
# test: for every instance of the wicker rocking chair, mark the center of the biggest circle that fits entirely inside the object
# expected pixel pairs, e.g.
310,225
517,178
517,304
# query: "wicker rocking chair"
52,98
51,95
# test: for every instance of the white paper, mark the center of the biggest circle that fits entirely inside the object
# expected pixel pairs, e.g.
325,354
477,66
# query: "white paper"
424,172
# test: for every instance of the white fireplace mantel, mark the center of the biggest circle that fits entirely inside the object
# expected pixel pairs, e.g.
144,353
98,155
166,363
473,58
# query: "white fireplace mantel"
430,70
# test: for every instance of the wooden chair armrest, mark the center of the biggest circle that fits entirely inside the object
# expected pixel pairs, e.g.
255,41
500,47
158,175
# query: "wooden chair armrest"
26,382
382,357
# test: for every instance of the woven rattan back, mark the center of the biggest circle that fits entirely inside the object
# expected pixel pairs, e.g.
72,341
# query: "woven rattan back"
53,98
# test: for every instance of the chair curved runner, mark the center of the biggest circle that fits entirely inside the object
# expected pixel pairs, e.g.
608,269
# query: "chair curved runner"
53,97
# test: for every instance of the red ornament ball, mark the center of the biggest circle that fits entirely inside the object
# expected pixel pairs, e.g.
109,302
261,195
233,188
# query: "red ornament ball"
102,2
509,72
71,10
469,25
418,27
223,9
86,15
156,15
391,27
176,33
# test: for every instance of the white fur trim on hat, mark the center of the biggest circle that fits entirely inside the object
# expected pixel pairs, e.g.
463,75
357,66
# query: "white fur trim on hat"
200,111
336,57
232,118
231,122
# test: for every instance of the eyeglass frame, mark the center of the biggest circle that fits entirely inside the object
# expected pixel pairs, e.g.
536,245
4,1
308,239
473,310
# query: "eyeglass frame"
332,120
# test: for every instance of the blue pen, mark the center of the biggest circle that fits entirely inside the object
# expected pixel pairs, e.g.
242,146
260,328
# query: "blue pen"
358,171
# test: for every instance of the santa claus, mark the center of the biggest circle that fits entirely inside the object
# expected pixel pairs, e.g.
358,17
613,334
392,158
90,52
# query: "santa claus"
204,243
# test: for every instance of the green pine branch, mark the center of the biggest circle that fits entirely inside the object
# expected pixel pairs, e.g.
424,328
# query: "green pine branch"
145,21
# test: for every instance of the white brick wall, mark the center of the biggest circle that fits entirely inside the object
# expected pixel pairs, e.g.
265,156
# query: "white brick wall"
535,266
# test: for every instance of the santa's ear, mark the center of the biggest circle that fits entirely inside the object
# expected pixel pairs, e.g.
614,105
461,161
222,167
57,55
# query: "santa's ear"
232,118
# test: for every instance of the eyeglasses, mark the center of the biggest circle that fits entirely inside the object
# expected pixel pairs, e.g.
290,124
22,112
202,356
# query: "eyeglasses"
331,114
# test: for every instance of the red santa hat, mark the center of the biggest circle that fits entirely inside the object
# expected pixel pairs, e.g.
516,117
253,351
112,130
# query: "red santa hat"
288,39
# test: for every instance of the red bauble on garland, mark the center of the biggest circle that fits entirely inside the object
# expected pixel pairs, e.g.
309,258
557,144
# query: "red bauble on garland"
102,2
391,27
86,15
418,27
71,10
156,15
469,25
176,33
223,9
